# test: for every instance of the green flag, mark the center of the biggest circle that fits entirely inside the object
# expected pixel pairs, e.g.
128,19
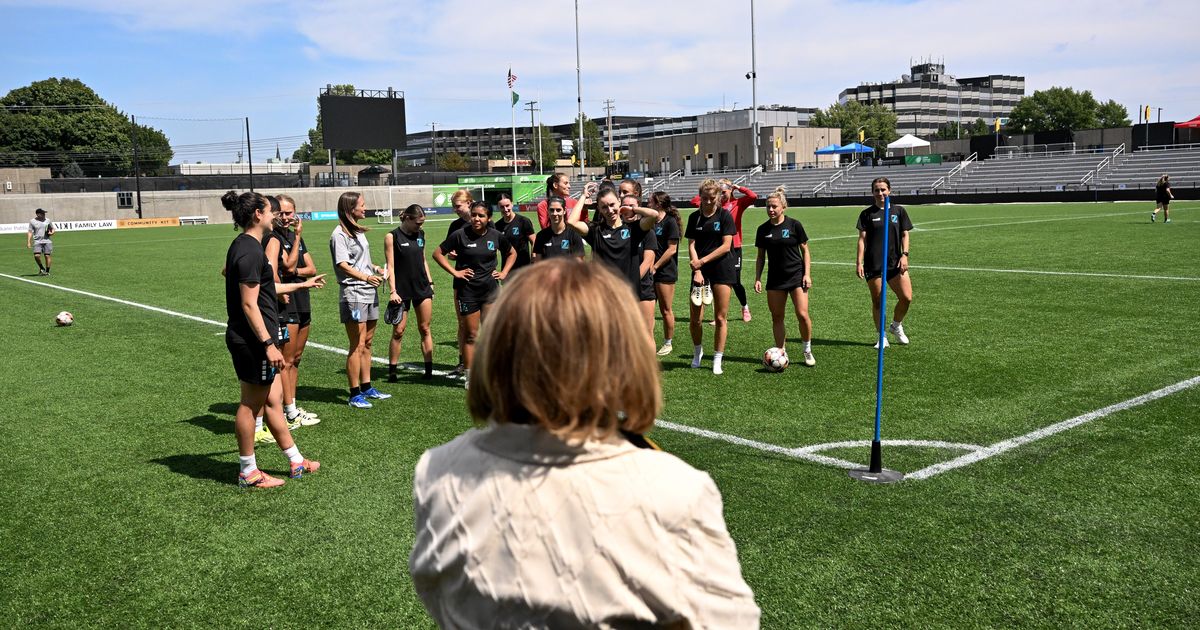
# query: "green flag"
516,98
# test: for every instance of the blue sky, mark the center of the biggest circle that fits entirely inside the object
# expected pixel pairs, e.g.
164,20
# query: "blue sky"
267,59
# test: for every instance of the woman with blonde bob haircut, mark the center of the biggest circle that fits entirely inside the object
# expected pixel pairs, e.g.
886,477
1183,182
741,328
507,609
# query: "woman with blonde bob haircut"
596,532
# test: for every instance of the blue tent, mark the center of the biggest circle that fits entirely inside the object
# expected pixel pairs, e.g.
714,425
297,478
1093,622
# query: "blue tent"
855,147
829,150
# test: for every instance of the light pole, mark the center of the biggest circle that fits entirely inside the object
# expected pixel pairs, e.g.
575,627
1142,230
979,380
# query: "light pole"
433,145
580,153
753,76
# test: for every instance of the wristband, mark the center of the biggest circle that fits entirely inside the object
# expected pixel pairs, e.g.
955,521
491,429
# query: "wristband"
903,253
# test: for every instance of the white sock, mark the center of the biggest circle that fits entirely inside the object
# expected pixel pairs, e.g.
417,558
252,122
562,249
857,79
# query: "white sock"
293,454
291,410
258,424
667,341
247,462
808,346
717,356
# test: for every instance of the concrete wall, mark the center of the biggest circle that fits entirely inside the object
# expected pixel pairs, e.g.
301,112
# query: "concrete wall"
17,181
736,145
92,206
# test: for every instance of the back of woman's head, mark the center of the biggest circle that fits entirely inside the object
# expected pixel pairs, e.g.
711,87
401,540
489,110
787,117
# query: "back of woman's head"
565,349
346,204
243,206
460,196
662,201
1164,179
413,211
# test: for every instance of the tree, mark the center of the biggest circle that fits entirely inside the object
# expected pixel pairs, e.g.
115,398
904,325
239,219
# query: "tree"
1112,114
72,169
593,148
949,131
314,151
55,122
453,161
877,121
1055,109
549,152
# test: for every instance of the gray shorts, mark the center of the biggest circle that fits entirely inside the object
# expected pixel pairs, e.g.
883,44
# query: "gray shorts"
352,312
45,247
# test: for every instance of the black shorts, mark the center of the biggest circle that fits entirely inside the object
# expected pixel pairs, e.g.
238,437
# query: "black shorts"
892,273
304,318
288,312
645,292
249,359
721,271
670,276
468,307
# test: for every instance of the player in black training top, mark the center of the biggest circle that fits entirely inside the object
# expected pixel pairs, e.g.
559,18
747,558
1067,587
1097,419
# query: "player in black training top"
1162,198
556,240
516,229
627,246
783,247
476,279
461,200
666,263
410,285
710,231
870,252
252,337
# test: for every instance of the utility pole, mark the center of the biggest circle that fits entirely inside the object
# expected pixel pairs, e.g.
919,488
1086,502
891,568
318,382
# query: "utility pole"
534,130
249,155
137,166
754,83
580,153
433,144
608,107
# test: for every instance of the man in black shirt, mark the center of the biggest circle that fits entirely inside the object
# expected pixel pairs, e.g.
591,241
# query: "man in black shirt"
870,256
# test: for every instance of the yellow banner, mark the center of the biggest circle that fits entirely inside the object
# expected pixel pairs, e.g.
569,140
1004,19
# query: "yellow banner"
146,223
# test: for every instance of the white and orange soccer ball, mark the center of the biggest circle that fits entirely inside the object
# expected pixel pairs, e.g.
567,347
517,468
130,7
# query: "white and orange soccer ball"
775,360
64,319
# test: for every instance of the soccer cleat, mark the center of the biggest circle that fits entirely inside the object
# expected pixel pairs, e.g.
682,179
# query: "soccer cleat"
898,330
746,313
706,295
809,360
360,402
307,419
1164,221
665,350
458,371
263,436
717,369
307,466
294,423
697,294
258,479
885,343
696,360
376,394
1153,217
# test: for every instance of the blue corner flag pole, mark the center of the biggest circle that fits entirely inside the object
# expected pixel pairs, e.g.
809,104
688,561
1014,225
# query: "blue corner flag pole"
876,451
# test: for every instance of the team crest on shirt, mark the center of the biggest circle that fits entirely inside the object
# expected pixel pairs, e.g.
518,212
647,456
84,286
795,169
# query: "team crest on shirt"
624,234
716,225
516,230
491,246
565,245
658,230
895,218
420,242
786,233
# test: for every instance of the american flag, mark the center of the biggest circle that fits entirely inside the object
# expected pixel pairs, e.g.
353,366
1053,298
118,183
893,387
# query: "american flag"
512,78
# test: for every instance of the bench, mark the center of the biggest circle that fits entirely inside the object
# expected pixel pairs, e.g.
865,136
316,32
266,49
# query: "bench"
198,220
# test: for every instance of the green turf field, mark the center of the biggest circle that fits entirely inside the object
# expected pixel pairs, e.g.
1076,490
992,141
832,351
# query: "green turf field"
119,507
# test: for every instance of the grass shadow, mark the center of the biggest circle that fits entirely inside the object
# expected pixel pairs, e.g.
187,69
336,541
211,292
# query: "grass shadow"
321,394
219,426
834,342
205,467
229,409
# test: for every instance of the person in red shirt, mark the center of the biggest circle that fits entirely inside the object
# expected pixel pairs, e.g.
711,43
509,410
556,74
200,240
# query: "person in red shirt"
557,185
737,207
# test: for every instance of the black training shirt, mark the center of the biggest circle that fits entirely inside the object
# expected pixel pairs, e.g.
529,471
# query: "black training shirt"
408,256
619,247
781,246
666,231
476,252
517,235
246,263
547,244
870,220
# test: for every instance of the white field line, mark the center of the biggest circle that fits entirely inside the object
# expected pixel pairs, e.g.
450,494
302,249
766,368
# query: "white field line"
983,225
808,453
1032,272
1059,427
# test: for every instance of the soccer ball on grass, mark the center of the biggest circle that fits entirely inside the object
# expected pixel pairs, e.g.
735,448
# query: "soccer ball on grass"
64,319
775,360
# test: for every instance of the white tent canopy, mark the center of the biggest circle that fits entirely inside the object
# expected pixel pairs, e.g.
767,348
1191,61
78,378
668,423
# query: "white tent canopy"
909,141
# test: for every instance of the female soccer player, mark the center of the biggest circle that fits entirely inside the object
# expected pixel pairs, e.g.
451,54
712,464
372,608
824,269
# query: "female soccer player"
358,303
737,207
410,284
782,240
283,248
517,230
1162,198
666,263
870,251
710,232
626,243
557,185
252,336
476,280
557,240
461,200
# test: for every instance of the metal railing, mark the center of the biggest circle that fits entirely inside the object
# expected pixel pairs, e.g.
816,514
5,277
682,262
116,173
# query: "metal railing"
744,178
1090,176
954,171
663,182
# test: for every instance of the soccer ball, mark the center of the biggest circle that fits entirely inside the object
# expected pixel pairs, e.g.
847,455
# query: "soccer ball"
64,319
775,360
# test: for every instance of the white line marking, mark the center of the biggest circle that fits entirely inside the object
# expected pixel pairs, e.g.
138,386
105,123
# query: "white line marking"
983,225
808,453
1007,445
1030,271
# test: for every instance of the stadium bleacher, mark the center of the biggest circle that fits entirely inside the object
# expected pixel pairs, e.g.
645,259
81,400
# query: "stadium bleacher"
1141,169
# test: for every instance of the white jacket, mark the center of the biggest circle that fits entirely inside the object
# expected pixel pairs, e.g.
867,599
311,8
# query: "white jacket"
517,529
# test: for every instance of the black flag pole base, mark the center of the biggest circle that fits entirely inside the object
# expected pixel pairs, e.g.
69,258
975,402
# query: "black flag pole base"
876,473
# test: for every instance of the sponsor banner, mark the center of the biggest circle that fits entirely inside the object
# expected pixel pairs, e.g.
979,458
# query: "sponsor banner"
148,223
439,210
14,228
317,216
62,226
935,158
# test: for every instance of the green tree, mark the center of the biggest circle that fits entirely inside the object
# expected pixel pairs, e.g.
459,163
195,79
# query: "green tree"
314,152
593,148
549,152
55,122
1055,109
877,121
453,161
1112,114
72,169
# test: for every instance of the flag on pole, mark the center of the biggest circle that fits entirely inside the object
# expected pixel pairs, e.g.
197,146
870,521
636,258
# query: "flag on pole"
516,98
512,78
695,149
